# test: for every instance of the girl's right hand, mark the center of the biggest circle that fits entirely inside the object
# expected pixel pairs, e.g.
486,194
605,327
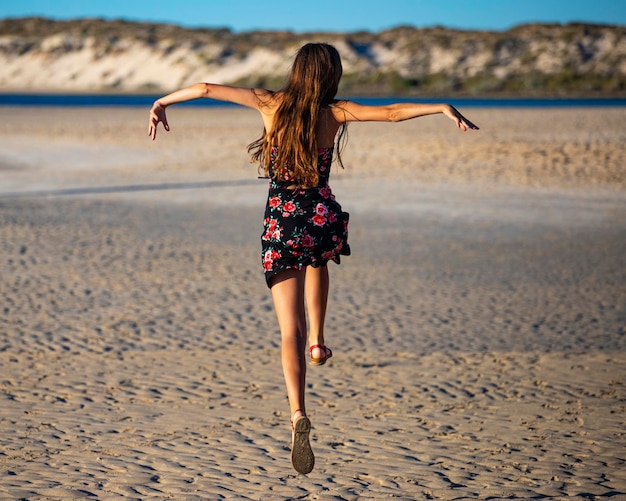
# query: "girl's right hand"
157,114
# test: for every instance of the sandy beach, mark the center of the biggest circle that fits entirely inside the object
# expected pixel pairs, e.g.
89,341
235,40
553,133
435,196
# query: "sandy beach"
478,329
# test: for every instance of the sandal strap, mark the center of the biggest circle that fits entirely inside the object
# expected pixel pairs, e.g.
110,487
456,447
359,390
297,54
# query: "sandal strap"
296,412
320,346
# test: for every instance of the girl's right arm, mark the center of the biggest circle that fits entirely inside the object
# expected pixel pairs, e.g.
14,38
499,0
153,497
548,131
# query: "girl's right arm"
349,111
251,98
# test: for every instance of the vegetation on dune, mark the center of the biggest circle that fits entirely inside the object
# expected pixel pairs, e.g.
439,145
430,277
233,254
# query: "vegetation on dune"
534,59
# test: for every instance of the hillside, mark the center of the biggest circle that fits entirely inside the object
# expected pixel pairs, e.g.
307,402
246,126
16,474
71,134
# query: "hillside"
93,55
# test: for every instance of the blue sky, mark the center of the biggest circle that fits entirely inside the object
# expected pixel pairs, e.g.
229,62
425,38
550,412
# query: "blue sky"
328,15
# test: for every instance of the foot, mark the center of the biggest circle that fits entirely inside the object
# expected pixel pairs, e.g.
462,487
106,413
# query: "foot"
302,457
323,353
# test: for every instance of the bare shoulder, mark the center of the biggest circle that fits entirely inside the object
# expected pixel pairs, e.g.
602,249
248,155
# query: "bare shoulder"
339,109
267,101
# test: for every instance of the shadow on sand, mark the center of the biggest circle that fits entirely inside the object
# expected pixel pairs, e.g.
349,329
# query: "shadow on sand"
129,188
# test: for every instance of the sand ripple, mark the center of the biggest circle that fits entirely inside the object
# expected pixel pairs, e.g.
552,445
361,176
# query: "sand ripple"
478,332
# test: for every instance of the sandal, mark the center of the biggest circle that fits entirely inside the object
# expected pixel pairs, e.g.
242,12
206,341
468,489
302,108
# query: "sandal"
302,457
320,361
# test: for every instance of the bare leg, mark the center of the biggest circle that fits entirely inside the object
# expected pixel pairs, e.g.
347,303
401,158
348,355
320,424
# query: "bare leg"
317,286
288,294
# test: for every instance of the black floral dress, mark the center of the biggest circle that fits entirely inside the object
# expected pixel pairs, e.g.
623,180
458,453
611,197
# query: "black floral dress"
303,226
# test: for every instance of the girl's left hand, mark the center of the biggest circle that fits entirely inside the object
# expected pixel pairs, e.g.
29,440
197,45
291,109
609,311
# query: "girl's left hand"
157,114
461,122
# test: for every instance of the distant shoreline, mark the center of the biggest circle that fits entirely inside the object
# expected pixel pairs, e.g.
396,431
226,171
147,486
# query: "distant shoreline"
141,100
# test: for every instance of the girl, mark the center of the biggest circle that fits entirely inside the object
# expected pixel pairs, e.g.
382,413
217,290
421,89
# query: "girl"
304,226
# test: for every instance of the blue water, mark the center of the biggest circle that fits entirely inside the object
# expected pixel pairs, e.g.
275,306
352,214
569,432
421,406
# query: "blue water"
146,100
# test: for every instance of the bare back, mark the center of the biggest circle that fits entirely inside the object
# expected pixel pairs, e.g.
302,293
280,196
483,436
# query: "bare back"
327,126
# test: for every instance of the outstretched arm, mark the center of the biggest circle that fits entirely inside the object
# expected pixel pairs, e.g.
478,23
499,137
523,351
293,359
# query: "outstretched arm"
239,95
349,111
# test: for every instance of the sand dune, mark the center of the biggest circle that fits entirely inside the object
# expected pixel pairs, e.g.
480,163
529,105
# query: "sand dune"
478,328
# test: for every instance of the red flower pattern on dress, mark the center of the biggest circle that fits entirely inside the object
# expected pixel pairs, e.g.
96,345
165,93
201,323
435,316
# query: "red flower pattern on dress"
274,202
318,220
321,209
302,226
325,192
269,257
307,241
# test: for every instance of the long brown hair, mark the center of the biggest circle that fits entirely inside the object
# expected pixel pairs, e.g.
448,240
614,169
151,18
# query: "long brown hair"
311,86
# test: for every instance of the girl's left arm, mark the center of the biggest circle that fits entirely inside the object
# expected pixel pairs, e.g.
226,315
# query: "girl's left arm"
251,98
350,111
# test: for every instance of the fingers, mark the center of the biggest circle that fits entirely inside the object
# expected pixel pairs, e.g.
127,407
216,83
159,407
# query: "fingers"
469,124
153,125
152,129
464,124
460,123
